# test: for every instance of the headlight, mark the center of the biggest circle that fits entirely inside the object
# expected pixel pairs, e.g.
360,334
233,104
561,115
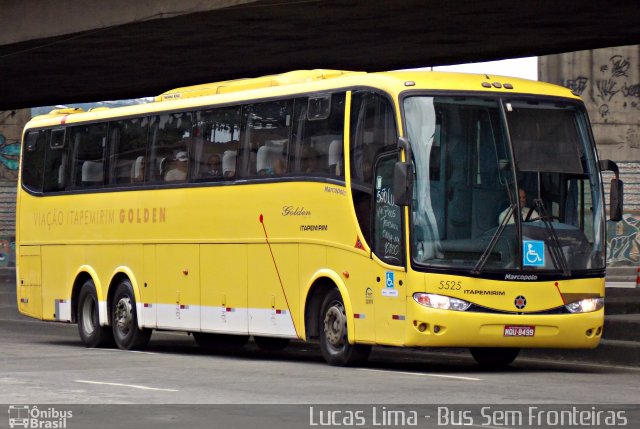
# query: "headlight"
441,302
585,305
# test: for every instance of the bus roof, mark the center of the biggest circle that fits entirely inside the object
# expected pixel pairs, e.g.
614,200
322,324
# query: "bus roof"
307,81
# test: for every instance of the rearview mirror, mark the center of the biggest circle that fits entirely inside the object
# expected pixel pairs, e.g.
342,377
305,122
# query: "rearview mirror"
616,197
616,194
402,183
403,176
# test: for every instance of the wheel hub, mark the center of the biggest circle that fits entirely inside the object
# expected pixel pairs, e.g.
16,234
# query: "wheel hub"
335,326
88,316
123,315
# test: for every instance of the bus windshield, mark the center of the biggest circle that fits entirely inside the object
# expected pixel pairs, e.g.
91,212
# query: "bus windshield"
504,185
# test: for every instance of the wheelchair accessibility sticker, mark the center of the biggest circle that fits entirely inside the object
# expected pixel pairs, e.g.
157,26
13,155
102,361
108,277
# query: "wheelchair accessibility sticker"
533,253
389,280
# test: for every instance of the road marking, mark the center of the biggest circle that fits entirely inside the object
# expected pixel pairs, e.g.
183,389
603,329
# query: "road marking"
422,374
126,351
134,386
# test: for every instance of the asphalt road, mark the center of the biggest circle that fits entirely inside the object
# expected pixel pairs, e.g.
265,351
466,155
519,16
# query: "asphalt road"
45,363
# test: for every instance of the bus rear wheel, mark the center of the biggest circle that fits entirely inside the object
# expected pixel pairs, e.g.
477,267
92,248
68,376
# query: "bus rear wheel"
334,344
494,357
124,319
91,333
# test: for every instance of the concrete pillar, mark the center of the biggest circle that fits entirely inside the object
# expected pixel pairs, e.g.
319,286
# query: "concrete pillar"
12,123
609,82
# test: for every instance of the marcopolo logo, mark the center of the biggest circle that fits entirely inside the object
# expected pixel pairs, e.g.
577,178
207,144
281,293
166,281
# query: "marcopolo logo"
520,302
25,416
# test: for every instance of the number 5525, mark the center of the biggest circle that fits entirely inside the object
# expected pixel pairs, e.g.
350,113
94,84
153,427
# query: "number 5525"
450,285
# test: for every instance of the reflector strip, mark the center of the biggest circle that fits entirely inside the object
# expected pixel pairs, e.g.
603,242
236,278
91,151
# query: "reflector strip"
281,311
358,316
148,305
397,317
184,307
24,300
230,310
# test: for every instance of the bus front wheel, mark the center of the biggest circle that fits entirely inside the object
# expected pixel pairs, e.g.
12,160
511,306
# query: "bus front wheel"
124,319
494,357
91,333
334,344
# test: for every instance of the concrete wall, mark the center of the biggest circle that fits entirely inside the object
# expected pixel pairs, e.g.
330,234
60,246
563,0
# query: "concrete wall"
11,124
609,82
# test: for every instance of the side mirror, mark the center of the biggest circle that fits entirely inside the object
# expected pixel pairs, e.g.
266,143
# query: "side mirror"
616,197
403,183
403,176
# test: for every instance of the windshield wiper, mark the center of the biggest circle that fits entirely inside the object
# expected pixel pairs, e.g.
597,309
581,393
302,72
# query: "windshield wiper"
494,240
555,249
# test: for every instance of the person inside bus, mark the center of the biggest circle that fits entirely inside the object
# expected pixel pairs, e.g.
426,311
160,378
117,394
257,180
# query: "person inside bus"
527,213
214,166
311,160
178,171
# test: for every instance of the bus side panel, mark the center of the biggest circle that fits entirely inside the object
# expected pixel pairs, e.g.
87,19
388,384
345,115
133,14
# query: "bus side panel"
59,265
148,288
361,285
178,286
223,288
29,282
271,313
312,257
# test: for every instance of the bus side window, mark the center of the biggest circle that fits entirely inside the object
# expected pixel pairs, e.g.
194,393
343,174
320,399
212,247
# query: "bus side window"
87,147
265,125
128,139
216,134
33,159
55,168
318,139
170,137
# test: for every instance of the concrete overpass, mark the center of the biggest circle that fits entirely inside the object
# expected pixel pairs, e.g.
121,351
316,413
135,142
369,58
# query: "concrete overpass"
68,51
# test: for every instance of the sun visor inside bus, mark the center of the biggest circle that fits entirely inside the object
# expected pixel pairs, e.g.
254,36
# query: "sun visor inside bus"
547,156
545,140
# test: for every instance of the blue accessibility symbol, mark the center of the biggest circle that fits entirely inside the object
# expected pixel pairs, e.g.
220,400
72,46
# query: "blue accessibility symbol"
389,282
533,253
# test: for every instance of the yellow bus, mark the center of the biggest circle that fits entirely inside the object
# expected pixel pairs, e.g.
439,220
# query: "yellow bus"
412,209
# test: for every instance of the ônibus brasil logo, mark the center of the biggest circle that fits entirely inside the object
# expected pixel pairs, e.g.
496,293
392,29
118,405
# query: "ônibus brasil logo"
26,416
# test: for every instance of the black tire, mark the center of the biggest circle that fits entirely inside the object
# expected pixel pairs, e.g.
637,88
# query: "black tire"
494,357
220,343
271,344
334,345
124,319
91,333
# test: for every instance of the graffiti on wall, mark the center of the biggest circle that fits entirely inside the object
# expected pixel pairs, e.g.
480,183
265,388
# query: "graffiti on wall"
623,242
9,159
7,252
612,84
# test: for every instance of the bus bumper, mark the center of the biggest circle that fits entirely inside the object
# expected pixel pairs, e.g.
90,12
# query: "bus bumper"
429,327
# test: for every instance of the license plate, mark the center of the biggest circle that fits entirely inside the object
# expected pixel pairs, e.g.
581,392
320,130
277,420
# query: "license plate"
519,331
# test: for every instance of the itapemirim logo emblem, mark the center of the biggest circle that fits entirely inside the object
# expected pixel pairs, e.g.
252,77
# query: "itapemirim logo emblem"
26,416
